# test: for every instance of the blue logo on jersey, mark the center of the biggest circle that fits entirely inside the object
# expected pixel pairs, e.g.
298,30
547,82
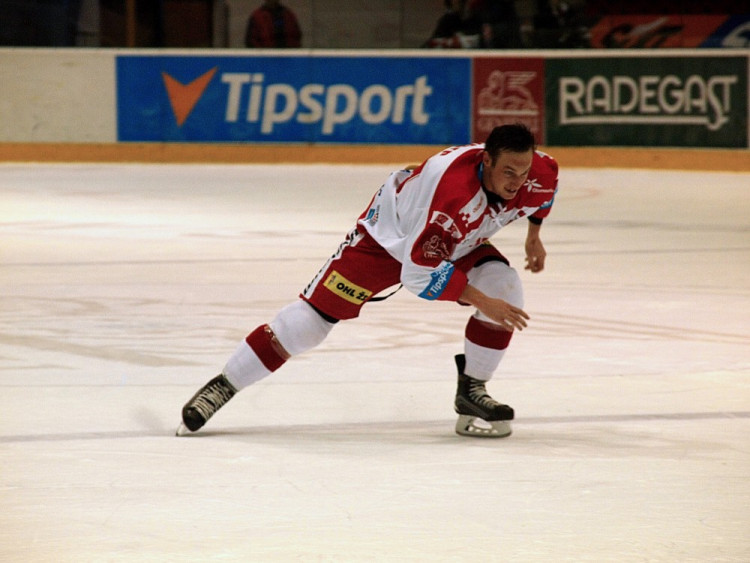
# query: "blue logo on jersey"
549,203
438,283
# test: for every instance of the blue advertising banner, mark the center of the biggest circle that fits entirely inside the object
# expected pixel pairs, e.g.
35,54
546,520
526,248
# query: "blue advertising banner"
311,99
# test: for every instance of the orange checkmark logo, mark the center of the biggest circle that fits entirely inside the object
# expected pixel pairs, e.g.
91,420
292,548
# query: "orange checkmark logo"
183,97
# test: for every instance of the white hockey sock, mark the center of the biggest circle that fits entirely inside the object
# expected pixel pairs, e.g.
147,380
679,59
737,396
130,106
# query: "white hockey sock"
481,362
244,367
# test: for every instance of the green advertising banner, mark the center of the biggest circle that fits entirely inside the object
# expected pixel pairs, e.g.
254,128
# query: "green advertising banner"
653,100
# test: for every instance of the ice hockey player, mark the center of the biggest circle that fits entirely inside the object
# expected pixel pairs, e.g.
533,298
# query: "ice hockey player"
427,228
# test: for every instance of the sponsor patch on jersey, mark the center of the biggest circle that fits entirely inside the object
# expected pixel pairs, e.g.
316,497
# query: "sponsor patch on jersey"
345,289
438,282
373,214
537,188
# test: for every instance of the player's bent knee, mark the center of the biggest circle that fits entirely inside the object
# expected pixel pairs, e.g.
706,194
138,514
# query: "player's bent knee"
499,280
299,327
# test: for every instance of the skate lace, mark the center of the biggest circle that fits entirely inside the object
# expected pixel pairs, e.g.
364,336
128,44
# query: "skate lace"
479,396
211,400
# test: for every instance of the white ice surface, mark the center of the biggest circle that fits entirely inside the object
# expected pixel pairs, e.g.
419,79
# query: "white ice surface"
123,288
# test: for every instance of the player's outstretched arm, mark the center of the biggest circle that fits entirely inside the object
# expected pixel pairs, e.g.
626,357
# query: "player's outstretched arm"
535,253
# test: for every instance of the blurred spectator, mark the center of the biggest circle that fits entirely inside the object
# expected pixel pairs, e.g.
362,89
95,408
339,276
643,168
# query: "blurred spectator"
88,24
456,28
33,23
562,24
500,24
273,25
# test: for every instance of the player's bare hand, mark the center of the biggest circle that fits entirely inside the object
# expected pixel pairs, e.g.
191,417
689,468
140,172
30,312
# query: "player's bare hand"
535,255
501,312
506,315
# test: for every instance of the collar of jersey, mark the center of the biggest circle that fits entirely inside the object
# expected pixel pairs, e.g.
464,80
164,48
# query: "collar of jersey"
492,198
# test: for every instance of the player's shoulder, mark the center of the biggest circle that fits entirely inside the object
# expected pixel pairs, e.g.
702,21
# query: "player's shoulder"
454,164
459,152
544,169
541,183
544,164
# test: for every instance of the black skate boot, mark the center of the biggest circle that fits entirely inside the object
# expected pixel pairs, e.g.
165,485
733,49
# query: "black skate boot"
473,402
204,404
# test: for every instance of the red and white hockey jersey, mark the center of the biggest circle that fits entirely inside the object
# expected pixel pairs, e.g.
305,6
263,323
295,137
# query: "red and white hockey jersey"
430,217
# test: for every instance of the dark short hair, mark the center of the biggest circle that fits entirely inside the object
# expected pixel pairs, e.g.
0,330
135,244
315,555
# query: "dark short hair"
512,138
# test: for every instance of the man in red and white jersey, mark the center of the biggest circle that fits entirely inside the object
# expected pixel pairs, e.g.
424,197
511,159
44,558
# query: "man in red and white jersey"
428,229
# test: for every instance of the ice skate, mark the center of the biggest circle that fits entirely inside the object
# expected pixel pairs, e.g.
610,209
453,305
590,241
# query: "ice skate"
479,414
204,404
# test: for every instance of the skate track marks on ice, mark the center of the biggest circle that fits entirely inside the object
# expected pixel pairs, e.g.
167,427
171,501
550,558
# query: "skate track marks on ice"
125,287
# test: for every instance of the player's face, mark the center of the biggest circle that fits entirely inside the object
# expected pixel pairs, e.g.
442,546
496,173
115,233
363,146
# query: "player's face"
508,174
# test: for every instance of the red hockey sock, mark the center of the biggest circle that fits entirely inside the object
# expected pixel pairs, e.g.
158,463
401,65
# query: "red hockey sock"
487,335
267,347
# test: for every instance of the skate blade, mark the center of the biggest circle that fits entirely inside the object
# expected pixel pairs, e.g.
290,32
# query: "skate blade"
468,425
182,430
